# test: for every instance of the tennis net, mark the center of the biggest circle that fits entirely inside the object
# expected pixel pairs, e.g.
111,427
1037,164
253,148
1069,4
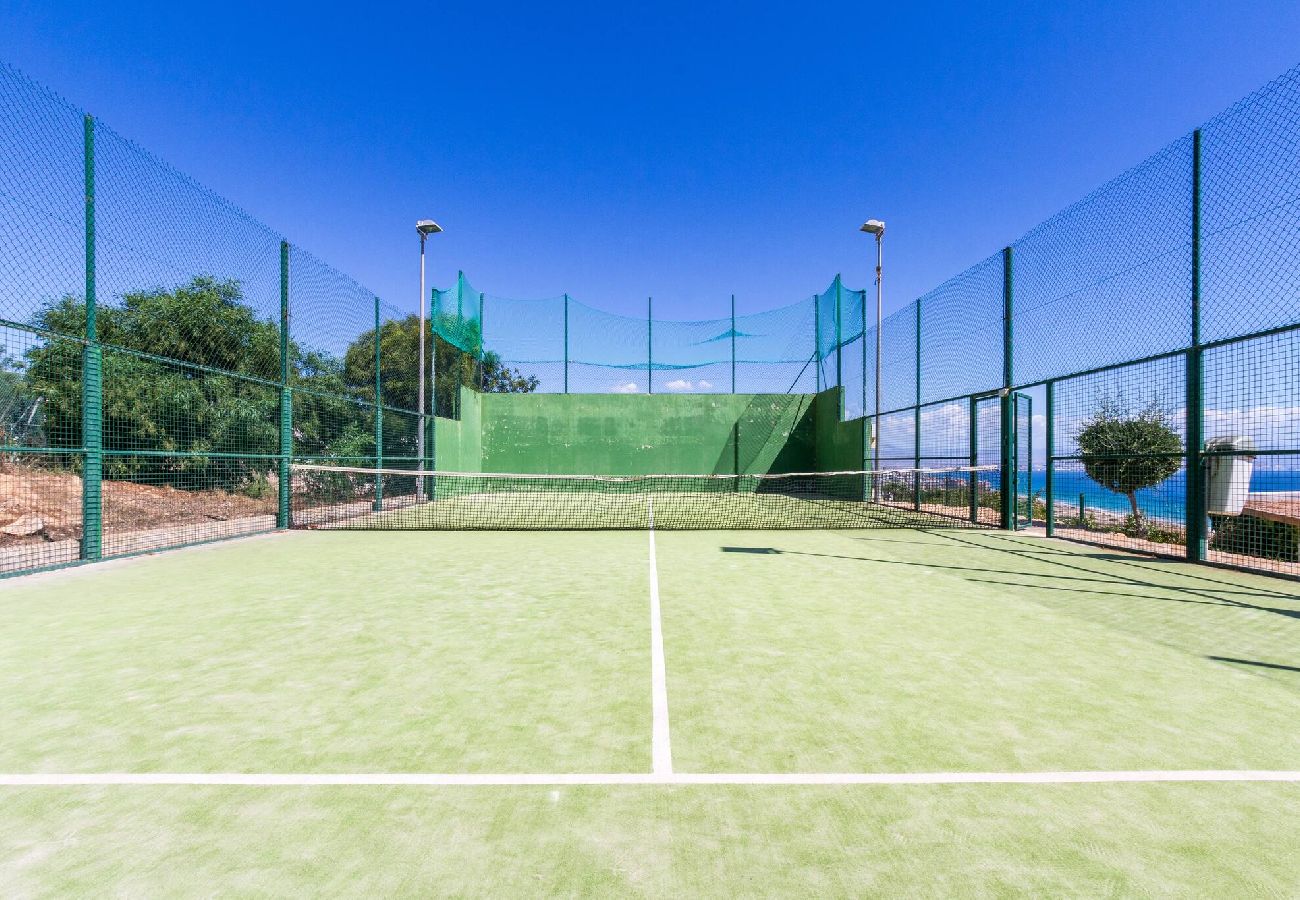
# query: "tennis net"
326,496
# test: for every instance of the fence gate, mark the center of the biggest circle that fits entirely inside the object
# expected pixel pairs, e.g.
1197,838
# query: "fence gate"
1022,459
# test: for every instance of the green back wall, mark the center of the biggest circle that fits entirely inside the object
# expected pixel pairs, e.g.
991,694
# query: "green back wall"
614,434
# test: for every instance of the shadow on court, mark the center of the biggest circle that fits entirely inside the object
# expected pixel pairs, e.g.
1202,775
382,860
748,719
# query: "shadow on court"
1048,571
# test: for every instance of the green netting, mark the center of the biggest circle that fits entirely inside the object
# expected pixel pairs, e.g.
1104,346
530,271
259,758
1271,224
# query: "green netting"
1251,202
1116,267
560,345
42,201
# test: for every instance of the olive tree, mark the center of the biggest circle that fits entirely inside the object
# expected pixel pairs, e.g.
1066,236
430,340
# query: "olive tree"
1126,451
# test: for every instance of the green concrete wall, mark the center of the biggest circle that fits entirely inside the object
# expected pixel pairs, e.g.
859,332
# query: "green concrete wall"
459,446
617,434
840,446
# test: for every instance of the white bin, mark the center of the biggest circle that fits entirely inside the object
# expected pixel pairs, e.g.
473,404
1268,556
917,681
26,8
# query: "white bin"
1229,474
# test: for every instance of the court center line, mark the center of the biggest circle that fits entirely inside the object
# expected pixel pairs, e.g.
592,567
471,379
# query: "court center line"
661,745
398,779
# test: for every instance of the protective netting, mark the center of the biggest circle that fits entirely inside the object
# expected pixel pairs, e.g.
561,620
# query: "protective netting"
164,357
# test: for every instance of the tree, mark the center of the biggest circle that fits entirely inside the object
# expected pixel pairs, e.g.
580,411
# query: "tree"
399,353
1126,452
197,413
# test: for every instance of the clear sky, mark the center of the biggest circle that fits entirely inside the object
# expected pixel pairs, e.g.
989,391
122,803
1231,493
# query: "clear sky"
684,150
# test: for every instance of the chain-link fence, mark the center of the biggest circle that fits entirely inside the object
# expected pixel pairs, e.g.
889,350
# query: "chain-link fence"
1130,364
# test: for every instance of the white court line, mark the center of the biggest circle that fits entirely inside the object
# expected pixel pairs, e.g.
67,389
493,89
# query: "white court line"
661,746
632,778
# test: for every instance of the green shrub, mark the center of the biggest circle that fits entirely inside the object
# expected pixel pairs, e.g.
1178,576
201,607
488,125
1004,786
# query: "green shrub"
1251,536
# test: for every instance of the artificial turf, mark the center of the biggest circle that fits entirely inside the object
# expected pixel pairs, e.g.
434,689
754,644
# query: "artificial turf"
812,651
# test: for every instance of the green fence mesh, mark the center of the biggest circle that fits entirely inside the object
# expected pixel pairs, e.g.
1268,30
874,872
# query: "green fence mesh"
164,357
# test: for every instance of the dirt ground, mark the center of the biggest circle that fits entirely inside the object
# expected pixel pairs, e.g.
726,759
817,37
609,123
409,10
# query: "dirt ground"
48,505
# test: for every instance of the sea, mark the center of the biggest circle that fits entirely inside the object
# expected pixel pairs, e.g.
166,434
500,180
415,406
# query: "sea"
1165,501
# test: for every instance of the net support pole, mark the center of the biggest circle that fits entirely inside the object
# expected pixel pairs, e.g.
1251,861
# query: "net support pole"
916,418
379,419
282,515
1049,517
1195,513
92,384
650,344
566,343
1007,455
974,478
733,345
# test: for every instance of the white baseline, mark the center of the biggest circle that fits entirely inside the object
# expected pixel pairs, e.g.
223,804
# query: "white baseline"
344,779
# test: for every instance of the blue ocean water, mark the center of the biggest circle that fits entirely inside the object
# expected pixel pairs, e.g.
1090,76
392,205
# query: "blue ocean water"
1165,501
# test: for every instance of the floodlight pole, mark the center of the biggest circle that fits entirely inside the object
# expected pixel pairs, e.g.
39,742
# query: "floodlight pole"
425,227
877,228
419,435
875,430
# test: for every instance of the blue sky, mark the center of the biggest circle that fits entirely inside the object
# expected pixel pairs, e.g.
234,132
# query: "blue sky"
683,150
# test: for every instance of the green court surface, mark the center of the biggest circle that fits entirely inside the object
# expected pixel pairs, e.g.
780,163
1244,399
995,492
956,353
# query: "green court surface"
799,653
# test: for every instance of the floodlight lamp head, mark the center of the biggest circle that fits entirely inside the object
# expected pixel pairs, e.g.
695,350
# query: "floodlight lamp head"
874,226
427,227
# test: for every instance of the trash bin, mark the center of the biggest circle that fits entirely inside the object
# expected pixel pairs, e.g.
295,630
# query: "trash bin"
1230,462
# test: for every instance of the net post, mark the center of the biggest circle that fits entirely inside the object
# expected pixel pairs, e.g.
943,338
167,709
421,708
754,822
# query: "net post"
1007,478
92,384
916,421
566,343
650,345
282,516
1195,513
733,345
379,418
1050,474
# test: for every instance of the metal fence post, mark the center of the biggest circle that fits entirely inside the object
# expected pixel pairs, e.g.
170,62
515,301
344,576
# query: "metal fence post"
817,340
916,419
92,383
1007,462
733,345
974,478
482,348
566,343
650,345
1050,495
379,419
430,430
1195,513
839,348
865,448
282,517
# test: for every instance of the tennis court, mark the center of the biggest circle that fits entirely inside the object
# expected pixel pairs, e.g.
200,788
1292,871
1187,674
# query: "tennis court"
648,711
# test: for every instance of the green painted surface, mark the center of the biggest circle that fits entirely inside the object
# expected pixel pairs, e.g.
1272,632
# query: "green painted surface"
612,434
839,445
459,443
